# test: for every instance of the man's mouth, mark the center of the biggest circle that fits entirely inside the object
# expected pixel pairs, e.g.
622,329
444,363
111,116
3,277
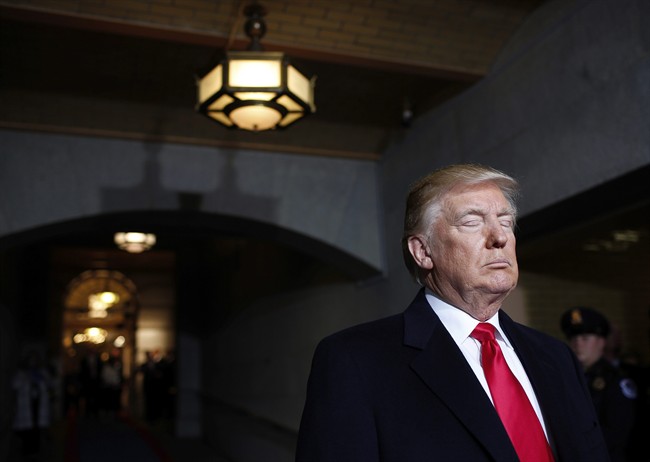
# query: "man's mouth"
498,264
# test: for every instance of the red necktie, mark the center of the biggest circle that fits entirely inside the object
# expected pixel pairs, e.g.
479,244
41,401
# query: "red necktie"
510,400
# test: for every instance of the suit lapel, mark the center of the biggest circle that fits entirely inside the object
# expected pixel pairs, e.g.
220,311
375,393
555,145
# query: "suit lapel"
445,371
539,366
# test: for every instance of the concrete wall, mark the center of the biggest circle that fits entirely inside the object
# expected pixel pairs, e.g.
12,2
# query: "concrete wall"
45,179
566,111
260,363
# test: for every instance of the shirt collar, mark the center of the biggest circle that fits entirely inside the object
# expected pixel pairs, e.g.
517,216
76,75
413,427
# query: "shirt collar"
458,323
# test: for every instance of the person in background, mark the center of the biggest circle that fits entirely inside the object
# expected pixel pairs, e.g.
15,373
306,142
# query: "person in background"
90,380
112,378
452,378
168,381
32,386
152,386
613,393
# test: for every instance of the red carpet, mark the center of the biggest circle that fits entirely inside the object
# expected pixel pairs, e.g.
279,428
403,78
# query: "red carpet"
99,439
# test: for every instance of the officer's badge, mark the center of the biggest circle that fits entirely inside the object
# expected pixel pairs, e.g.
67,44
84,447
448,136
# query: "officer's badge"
598,384
576,317
628,388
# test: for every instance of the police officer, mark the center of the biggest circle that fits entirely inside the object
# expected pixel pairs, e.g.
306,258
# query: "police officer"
613,394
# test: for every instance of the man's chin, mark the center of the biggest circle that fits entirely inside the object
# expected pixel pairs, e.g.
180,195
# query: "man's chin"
503,282
502,289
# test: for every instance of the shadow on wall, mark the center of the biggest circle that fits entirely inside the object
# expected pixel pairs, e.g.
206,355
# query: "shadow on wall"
151,194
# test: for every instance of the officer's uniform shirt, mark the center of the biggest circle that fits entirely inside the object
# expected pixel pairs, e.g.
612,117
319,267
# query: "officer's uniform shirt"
637,449
614,398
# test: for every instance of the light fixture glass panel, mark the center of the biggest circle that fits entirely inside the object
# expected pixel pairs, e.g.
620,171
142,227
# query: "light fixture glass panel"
221,102
299,85
255,96
289,103
255,118
290,118
211,83
221,117
254,73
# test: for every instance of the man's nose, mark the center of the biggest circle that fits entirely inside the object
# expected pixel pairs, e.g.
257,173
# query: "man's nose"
497,236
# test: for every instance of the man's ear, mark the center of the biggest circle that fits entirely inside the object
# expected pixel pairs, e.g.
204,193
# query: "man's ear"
420,252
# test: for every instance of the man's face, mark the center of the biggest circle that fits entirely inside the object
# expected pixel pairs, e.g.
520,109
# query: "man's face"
474,258
588,348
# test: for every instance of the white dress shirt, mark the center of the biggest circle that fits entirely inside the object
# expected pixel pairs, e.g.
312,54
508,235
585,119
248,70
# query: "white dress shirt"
460,325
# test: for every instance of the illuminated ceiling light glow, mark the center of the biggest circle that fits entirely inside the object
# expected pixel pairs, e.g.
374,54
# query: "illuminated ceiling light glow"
255,90
621,240
102,300
92,335
135,242
626,235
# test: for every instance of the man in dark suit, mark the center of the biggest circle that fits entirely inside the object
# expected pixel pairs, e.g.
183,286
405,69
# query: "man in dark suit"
412,387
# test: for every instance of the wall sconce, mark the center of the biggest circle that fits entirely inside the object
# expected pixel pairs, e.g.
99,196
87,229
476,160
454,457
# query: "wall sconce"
135,242
255,90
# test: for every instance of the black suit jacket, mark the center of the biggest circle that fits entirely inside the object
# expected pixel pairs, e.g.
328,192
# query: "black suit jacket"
399,390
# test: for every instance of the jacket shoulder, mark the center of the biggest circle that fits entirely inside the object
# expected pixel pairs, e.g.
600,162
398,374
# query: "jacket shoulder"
375,332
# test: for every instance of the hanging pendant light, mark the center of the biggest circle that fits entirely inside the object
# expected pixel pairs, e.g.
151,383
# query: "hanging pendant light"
255,90
134,242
